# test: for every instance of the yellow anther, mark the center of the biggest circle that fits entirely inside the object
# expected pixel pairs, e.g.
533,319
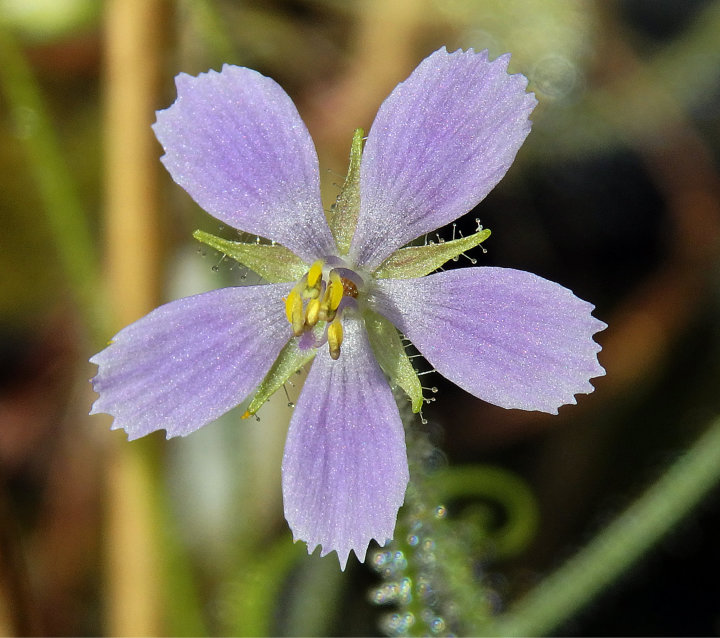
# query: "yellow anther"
334,292
335,338
294,312
312,312
314,274
290,302
317,298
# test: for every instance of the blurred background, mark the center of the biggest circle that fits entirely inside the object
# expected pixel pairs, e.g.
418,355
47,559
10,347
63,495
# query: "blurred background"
615,194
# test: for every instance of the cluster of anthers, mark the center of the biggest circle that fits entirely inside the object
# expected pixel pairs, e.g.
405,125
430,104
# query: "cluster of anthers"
322,295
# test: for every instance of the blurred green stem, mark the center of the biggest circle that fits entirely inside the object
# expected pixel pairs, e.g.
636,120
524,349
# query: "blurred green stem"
212,27
61,203
618,547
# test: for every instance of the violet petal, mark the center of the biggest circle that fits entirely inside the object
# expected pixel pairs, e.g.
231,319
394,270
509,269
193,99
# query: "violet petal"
507,336
440,142
235,142
345,465
191,360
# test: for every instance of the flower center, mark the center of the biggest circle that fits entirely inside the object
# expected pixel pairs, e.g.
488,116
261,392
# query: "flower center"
322,295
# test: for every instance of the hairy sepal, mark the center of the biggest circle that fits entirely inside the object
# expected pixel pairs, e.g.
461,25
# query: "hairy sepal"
344,214
273,262
289,361
418,261
390,354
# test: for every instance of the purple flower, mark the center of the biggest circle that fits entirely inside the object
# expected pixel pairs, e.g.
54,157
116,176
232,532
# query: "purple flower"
340,284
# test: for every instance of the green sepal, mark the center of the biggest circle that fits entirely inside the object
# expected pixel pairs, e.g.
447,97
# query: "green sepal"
344,213
273,262
418,261
289,361
390,354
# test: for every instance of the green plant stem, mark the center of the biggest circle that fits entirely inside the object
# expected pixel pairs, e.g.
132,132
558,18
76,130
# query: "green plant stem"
49,168
619,546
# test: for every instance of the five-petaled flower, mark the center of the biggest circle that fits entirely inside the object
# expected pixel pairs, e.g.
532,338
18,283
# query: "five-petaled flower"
341,285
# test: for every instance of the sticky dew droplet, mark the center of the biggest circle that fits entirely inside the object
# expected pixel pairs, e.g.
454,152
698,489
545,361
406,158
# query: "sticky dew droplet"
405,591
438,625
385,594
399,561
425,592
398,624
427,615
381,559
